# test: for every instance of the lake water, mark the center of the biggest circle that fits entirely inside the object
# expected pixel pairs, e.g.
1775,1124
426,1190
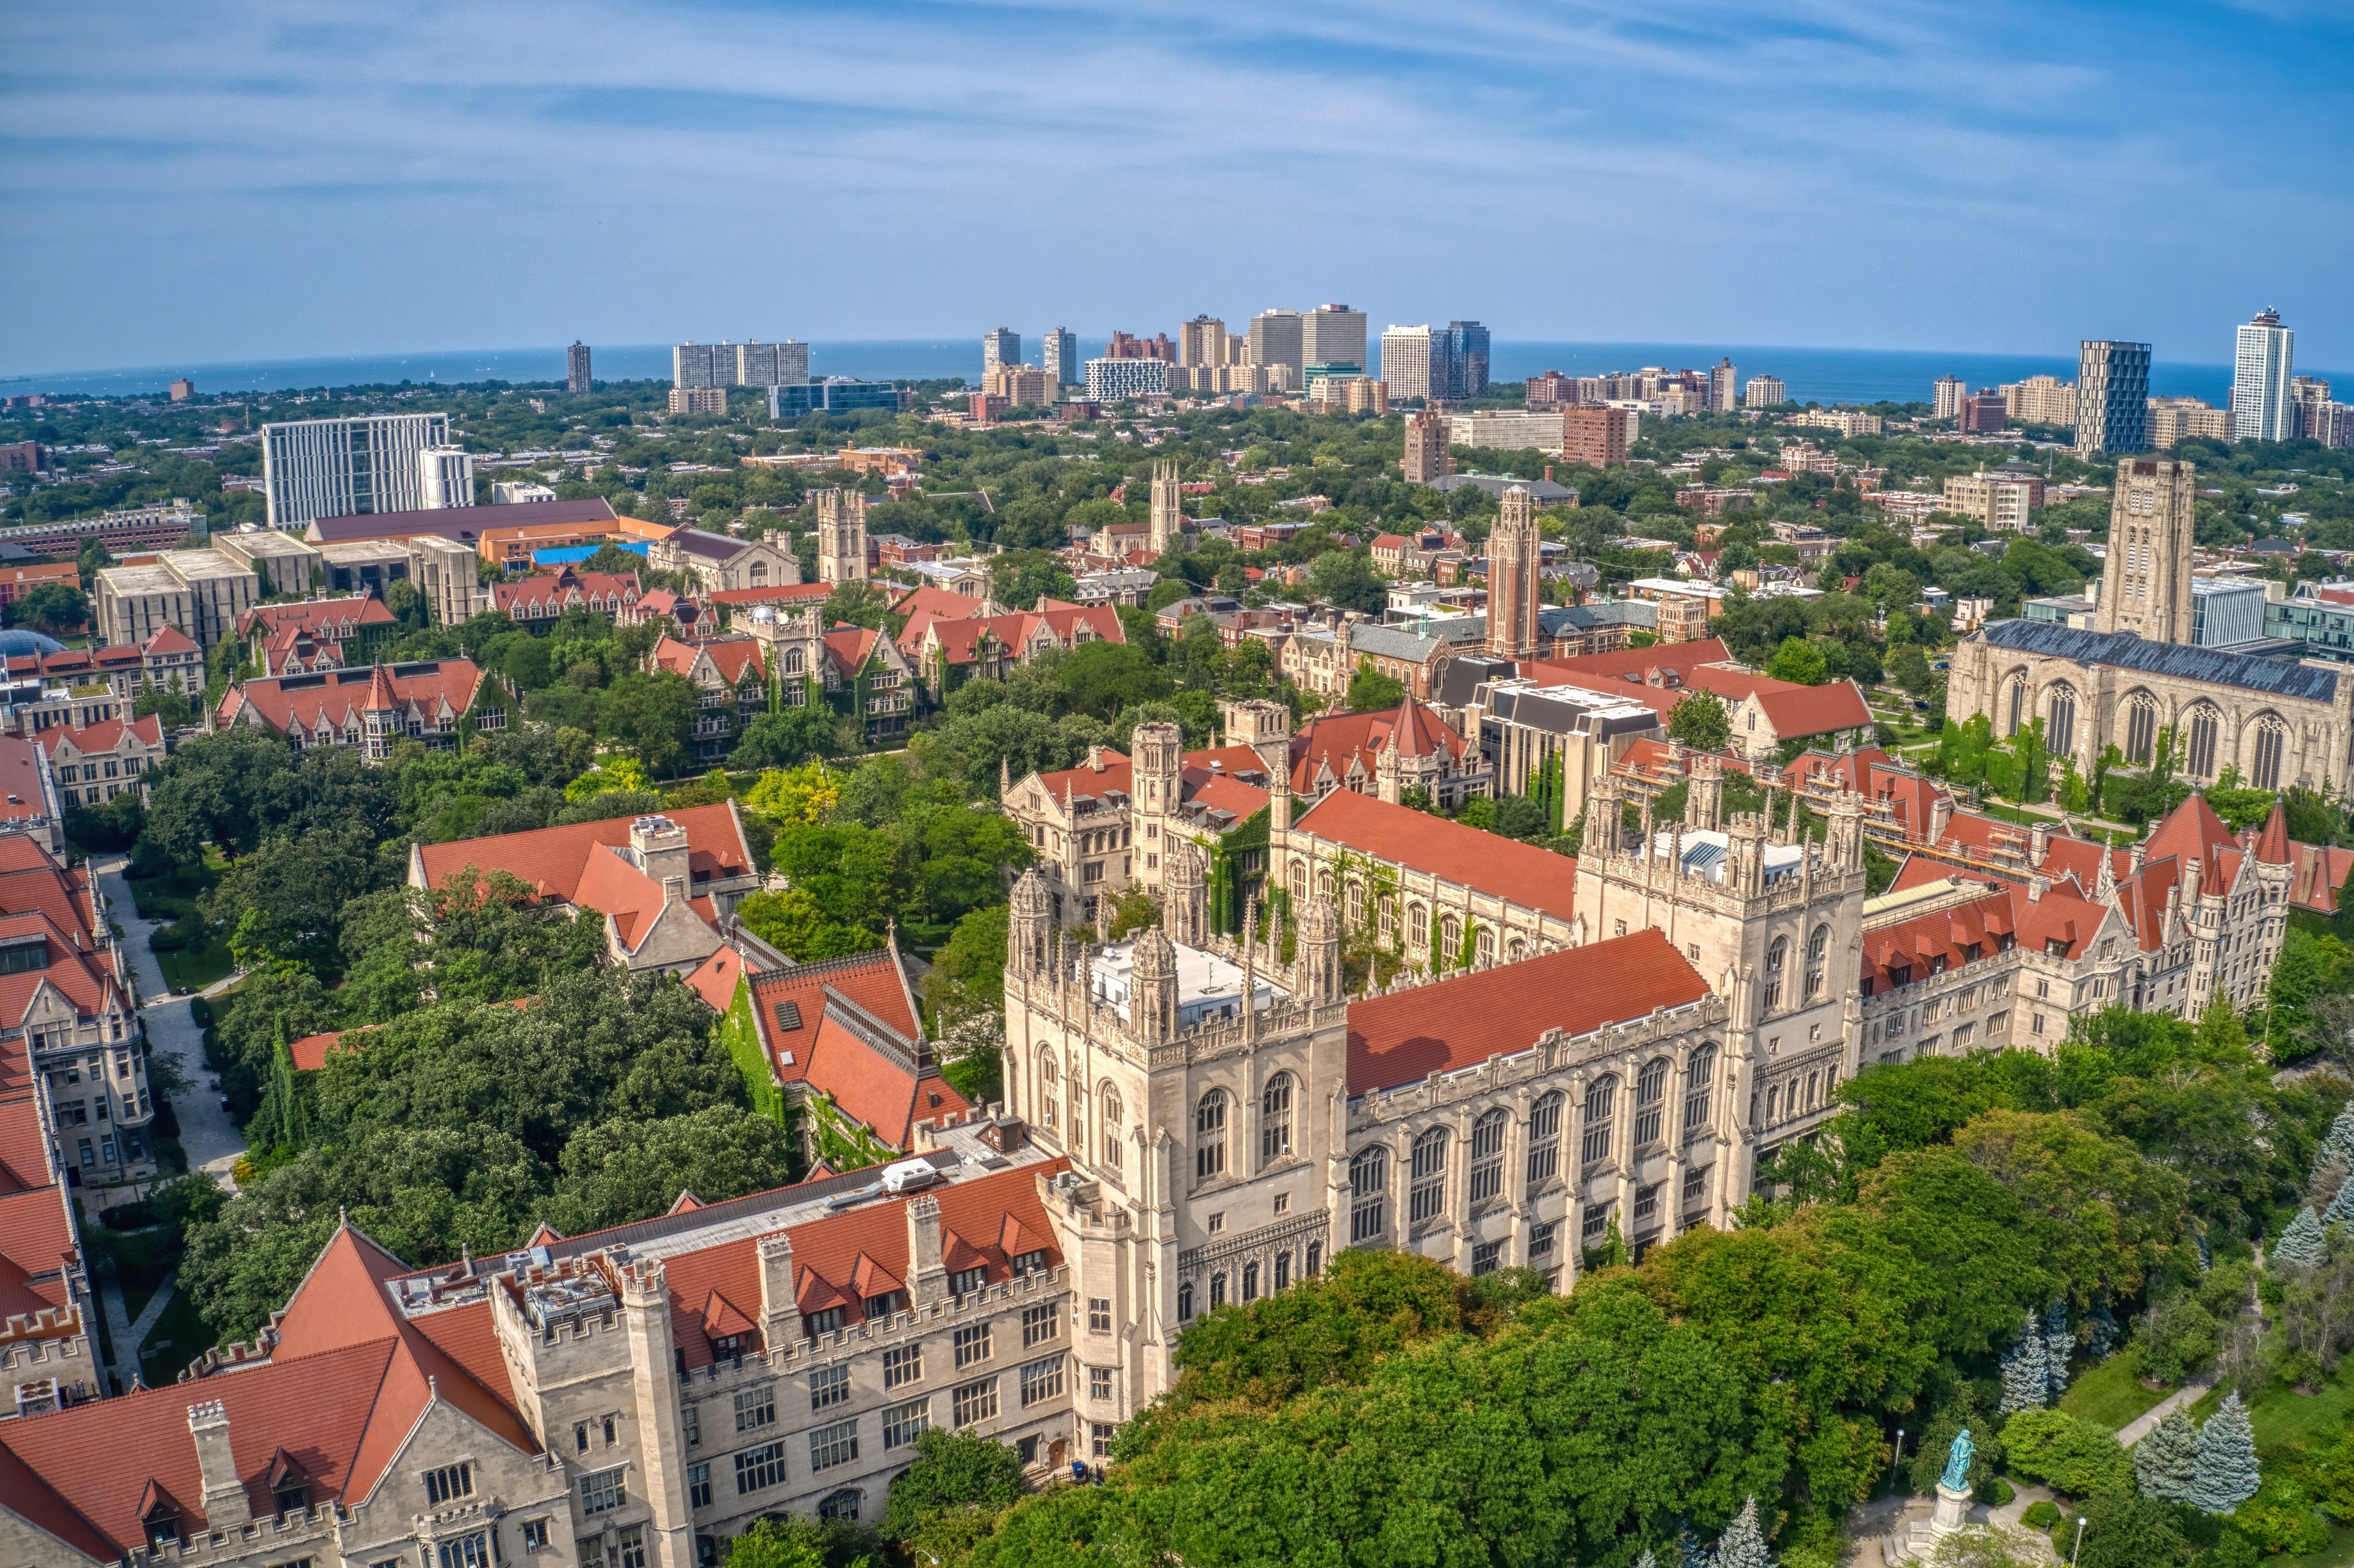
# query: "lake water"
1812,375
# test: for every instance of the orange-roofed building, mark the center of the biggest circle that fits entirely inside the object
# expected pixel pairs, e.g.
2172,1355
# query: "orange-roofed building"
663,883
375,708
96,763
547,597
948,649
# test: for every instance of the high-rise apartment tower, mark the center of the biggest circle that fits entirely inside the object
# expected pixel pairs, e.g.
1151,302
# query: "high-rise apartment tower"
1275,338
1945,397
2112,397
1413,363
1724,386
1003,346
1467,360
576,369
1427,454
1058,356
2262,407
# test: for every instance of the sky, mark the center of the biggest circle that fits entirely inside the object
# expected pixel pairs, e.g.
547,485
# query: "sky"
282,179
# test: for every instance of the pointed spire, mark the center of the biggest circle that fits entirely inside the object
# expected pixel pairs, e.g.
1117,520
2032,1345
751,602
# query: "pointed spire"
1004,776
1250,970
2105,888
2272,845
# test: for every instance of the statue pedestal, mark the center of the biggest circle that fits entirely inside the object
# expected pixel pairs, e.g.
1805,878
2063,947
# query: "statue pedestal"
1915,1540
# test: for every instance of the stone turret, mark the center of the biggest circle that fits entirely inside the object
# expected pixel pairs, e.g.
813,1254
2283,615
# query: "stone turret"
1746,835
1185,907
1846,833
1152,987
1704,797
1319,940
1027,924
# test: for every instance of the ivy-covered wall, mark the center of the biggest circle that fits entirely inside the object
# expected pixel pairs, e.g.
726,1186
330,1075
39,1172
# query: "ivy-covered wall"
1231,887
737,1032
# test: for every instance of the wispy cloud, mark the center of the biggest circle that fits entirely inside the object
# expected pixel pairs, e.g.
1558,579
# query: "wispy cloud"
326,176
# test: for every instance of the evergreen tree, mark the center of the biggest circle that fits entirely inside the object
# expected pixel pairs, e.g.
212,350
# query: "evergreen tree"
2057,1343
2341,1207
1647,1560
2104,1330
1742,1544
2165,1460
1690,1553
2300,1246
2226,1474
2339,1139
2025,1377
2206,1259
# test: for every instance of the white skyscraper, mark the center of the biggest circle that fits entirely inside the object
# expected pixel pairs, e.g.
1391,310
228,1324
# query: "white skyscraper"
2262,406
343,468
1003,346
446,476
782,364
1408,356
1058,356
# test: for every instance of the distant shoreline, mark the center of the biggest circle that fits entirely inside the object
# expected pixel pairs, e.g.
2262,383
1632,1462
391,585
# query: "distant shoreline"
1812,375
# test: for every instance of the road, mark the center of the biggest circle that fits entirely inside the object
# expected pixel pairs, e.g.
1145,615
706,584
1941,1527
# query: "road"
213,1140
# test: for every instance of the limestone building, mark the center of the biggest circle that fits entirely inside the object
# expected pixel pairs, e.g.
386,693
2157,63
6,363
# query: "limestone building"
1167,525
2137,677
840,536
1515,562
201,592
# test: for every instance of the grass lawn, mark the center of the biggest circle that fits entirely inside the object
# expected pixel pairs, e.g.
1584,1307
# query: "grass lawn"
2338,1553
2111,1393
193,968
193,956
179,1338
2282,1416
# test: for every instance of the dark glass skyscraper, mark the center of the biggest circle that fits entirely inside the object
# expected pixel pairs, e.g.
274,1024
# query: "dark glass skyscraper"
2112,397
576,369
1467,360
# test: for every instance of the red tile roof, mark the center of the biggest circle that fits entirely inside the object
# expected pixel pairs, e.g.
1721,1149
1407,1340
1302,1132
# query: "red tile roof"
550,594
431,690
106,734
1489,862
1343,741
1405,1036
20,780
940,604
333,618
553,860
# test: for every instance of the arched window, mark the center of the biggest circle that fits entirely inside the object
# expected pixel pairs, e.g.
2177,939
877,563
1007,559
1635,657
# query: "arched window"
1315,1258
1517,949
2270,742
842,1504
1250,1281
1814,1082
2017,705
1544,1139
1487,946
1299,882
2205,725
1324,881
1218,1291
759,575
1417,926
1210,1136
1777,960
1427,1195
2060,735
1487,1155
2141,730
1450,938
1816,945
1282,1270
1275,1119
1774,1105
1356,903
1185,1303
1076,1135
792,660
1046,1086
1601,1105
1109,1099
1698,1091
1650,1102
1389,919
1369,1188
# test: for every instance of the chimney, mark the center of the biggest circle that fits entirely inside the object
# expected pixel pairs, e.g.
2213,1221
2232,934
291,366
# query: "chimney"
2192,870
2038,843
1940,813
928,1275
226,1505
2037,886
779,1313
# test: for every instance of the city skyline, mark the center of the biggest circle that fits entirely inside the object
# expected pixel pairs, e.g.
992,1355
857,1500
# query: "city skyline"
240,136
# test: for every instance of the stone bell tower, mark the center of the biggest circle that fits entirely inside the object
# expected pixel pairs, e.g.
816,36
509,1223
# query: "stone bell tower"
840,536
1157,757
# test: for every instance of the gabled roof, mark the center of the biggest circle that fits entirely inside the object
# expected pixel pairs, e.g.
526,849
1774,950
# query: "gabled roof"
553,860
334,617
106,734
1343,741
2127,651
1405,1036
336,699
1488,862
552,592
941,605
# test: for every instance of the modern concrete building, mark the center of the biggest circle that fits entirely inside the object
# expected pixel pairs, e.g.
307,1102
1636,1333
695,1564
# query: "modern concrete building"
1003,346
292,566
2000,500
2112,397
1983,412
1332,335
1428,455
1723,384
446,475
1765,392
449,573
2039,400
2263,408
201,592
1276,337
782,364
576,369
1409,356
1022,386
1202,342
342,468
1945,397
2173,419
1058,356
695,366
1109,380
700,399
1508,429
1596,437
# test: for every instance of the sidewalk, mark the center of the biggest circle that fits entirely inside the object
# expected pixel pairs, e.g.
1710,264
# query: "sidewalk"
213,1140
2182,1398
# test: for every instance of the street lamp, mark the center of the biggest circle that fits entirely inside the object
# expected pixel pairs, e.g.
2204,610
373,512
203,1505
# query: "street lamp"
2080,1542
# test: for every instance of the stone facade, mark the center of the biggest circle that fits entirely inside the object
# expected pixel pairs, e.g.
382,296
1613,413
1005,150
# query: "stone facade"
840,536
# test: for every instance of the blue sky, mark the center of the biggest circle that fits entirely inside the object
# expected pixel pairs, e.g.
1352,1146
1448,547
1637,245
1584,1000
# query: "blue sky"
243,181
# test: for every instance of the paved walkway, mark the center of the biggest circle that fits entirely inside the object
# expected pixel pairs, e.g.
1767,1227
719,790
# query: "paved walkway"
2190,1394
213,1140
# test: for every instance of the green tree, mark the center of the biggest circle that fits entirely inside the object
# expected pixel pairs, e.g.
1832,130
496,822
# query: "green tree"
1370,691
2226,1475
952,1472
792,1540
1345,580
2166,1461
1700,721
1799,661
857,604
654,716
54,607
617,1171
787,738
795,924
2078,1457
94,559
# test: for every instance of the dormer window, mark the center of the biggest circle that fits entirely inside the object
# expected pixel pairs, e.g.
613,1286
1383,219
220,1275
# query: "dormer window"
163,1528
826,1322
1030,1262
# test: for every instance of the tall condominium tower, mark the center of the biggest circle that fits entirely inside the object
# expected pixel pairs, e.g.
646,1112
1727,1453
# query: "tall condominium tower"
342,468
2112,397
576,368
1003,346
1058,355
782,364
1333,336
1723,385
1275,339
1202,340
696,366
1427,454
1413,363
1946,397
2263,408
1467,360
2146,586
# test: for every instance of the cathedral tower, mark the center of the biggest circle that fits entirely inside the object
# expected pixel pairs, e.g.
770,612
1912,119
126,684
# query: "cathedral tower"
1515,556
2152,518
1168,512
840,536
1158,759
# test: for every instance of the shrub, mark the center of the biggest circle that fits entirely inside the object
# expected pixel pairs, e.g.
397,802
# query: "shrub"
2040,1515
2280,1518
2076,1456
1996,1492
